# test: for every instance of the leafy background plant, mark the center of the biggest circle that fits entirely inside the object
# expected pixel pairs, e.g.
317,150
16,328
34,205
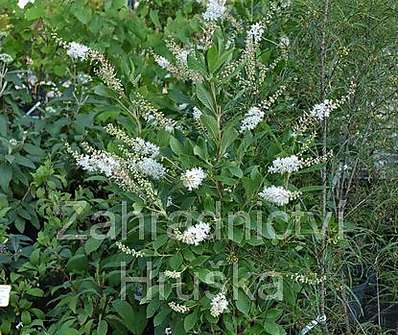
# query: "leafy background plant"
72,287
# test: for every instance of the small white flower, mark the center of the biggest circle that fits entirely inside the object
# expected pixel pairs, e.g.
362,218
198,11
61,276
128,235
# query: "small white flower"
53,93
5,58
168,331
193,178
149,117
83,78
107,165
20,87
284,42
178,308
160,120
169,201
51,110
162,62
77,51
278,195
194,234
285,165
13,142
169,127
322,111
19,325
182,56
172,274
219,304
256,32
48,83
182,106
125,249
145,148
196,113
252,118
215,10
23,3
103,163
67,84
32,80
151,168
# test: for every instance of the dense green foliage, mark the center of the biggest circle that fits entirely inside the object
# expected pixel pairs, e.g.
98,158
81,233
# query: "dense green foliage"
60,225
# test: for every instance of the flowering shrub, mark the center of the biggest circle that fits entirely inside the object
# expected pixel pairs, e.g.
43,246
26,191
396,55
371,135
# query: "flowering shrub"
213,185
160,167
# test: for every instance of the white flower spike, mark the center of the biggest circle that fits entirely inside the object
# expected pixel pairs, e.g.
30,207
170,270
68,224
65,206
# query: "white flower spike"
193,178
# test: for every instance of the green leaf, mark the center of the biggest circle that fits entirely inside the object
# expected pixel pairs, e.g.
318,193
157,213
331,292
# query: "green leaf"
314,188
229,136
230,323
5,176
23,161
102,328
161,316
154,15
83,13
189,255
202,153
176,146
205,276
212,59
237,234
199,260
117,4
243,302
175,261
92,244
273,328
152,308
3,125
235,171
26,318
134,318
190,321
126,312
33,149
77,263
150,293
35,12
35,292
95,25
72,304
204,97
35,257
273,314
210,123
225,57
4,211
197,63
160,241
37,323
19,223
66,330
